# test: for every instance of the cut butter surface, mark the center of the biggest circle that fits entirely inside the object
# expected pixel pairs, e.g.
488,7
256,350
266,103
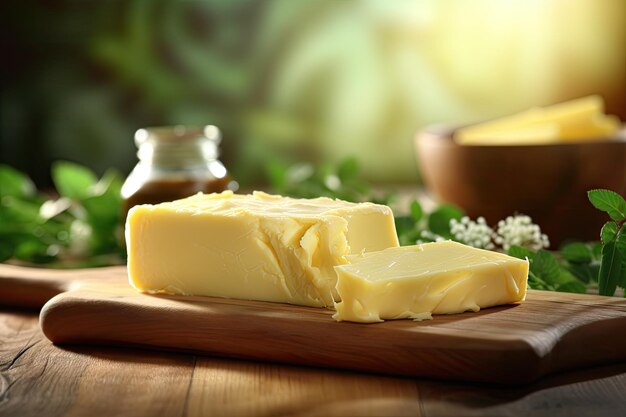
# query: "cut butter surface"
256,247
417,281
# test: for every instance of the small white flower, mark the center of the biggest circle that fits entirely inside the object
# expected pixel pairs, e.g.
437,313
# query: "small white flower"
520,230
472,233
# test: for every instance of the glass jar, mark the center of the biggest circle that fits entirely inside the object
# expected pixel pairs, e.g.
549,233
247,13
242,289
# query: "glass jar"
175,162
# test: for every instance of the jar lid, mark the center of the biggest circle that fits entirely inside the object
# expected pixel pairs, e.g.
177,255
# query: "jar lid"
178,147
177,134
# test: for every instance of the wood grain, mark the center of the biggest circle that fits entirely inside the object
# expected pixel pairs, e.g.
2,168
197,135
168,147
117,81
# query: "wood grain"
33,287
509,344
38,378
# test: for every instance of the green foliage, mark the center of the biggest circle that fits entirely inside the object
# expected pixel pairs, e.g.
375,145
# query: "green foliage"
580,265
421,227
15,184
439,219
82,227
572,286
306,181
612,270
608,232
520,252
547,273
610,202
72,180
576,253
416,211
545,265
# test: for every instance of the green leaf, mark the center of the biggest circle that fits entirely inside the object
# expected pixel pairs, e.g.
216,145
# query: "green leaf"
596,250
520,252
416,211
572,286
14,183
324,170
564,276
32,249
17,211
576,253
72,180
610,269
537,283
277,175
545,265
103,209
610,202
105,202
439,220
620,245
585,272
348,169
405,228
608,232
6,250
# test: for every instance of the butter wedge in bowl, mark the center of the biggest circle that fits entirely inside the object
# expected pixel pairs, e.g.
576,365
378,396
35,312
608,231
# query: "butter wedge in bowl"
580,120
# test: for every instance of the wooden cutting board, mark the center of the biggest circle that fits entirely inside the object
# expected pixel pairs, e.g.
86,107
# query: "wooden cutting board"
514,344
32,287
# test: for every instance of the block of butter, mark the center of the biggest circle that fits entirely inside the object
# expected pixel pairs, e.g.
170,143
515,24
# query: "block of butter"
255,247
575,120
417,281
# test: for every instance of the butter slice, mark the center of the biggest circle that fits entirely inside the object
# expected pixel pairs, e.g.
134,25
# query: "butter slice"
432,278
255,247
575,120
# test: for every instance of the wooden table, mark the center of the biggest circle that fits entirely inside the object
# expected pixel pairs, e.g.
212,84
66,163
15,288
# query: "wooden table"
40,379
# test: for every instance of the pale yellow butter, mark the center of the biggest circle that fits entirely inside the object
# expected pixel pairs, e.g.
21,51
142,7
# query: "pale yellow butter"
575,120
432,278
255,247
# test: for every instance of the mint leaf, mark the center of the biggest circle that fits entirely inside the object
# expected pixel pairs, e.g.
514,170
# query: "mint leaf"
545,265
405,228
6,250
416,211
439,220
610,202
105,200
610,269
585,272
596,250
348,169
103,213
520,252
620,243
536,283
277,175
608,232
72,180
576,252
14,183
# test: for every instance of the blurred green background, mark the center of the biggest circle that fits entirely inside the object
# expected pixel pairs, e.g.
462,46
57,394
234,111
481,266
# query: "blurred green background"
290,80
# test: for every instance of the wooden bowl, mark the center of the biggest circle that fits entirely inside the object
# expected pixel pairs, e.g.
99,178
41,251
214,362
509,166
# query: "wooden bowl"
547,182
